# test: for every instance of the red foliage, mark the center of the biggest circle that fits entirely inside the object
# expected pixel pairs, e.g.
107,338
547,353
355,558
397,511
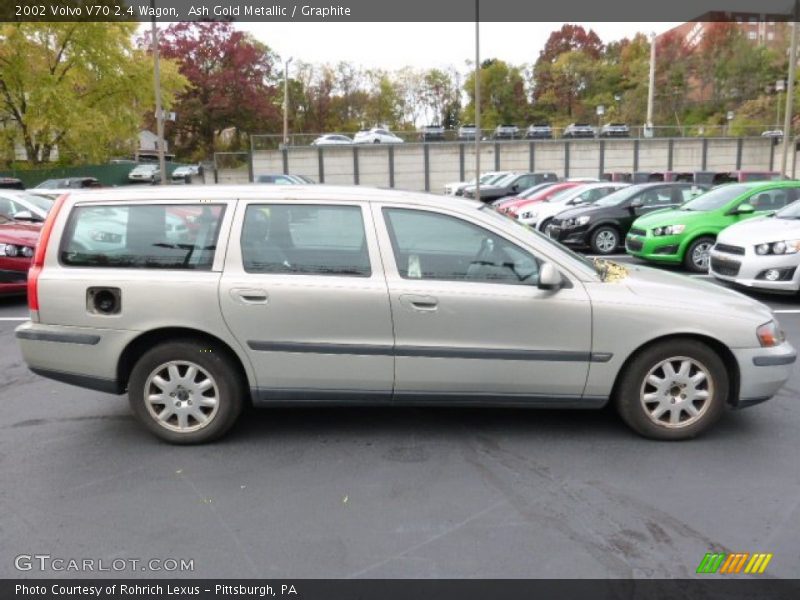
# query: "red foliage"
571,37
230,76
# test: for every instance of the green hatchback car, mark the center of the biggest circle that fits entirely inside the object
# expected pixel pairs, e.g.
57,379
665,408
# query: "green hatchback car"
685,235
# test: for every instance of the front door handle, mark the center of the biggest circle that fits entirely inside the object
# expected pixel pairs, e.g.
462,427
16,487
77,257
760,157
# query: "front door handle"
250,295
420,303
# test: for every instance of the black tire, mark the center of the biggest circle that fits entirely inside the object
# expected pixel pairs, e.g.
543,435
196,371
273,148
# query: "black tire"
376,141
632,388
543,225
689,258
229,390
598,240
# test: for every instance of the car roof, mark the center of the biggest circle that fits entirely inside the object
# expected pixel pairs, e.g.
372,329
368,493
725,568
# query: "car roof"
272,193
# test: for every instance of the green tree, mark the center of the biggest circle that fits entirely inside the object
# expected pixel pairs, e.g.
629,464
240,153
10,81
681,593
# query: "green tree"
503,98
78,88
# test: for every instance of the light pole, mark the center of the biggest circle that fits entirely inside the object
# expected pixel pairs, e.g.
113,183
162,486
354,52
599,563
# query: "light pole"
477,102
651,87
286,102
787,117
601,110
159,111
780,86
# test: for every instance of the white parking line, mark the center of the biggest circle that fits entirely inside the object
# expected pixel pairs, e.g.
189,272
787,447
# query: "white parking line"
14,318
792,311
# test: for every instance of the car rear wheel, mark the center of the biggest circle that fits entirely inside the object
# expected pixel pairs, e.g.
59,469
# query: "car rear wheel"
697,255
604,240
185,392
673,390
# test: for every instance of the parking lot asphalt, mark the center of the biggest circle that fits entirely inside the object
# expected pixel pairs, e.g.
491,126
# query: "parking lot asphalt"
392,492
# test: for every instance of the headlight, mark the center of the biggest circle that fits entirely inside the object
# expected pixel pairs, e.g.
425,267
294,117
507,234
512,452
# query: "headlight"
669,230
528,215
11,250
27,252
769,335
780,247
578,221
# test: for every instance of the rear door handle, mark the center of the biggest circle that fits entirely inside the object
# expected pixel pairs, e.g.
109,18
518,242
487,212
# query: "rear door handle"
250,295
420,303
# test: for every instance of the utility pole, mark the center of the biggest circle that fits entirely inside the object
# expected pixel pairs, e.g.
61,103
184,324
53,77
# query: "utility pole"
159,111
651,87
788,138
477,102
286,102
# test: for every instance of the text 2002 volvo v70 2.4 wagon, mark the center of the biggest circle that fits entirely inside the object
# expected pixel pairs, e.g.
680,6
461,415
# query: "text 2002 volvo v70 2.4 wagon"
322,294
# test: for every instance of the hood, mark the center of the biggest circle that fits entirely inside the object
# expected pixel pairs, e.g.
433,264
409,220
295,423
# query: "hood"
20,233
760,230
693,294
585,210
671,216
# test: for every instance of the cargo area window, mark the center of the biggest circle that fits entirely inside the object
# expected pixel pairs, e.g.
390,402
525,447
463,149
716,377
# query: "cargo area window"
151,236
305,239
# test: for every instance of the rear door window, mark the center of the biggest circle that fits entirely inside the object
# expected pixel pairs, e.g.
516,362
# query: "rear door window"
305,239
150,236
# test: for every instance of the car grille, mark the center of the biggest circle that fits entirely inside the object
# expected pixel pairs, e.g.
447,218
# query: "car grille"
728,268
729,249
638,232
634,245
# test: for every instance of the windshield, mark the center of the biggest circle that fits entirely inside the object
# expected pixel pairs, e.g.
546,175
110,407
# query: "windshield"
716,198
789,212
44,203
504,179
532,191
565,195
620,196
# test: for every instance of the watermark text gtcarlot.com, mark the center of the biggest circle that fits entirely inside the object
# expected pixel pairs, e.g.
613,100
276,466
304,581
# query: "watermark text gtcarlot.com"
46,562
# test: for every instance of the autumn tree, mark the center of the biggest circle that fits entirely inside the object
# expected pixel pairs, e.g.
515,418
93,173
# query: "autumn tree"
233,84
76,88
502,94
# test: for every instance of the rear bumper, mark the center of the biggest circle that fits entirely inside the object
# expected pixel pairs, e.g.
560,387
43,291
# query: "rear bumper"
763,371
82,356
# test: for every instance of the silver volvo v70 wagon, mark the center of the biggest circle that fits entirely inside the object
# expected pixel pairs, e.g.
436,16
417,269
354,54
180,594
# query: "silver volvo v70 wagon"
198,300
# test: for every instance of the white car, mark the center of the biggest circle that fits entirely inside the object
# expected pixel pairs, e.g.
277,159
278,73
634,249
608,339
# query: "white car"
184,171
762,253
331,139
539,214
376,135
457,187
24,205
148,173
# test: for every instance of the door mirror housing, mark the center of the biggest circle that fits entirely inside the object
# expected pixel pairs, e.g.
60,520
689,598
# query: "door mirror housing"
636,203
549,277
26,215
745,209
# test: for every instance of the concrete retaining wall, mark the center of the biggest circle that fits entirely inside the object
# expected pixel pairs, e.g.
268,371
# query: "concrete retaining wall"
431,166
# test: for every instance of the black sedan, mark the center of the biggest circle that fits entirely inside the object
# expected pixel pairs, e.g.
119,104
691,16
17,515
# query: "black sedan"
603,225
510,184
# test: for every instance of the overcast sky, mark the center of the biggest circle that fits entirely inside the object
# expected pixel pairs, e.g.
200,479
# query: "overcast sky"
395,45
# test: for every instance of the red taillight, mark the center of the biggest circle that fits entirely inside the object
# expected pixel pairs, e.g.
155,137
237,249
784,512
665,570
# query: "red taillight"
39,254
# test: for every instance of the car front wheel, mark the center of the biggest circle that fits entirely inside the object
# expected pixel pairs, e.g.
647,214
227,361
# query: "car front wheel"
604,240
186,392
697,255
673,390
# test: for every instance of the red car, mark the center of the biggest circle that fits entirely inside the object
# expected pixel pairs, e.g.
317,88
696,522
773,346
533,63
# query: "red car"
17,241
513,205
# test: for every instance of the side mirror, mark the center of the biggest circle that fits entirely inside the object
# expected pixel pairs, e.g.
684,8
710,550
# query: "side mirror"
26,215
515,188
637,203
549,277
575,201
745,209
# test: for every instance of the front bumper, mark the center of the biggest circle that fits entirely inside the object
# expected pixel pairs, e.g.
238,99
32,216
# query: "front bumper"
664,248
762,371
745,269
574,236
13,282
